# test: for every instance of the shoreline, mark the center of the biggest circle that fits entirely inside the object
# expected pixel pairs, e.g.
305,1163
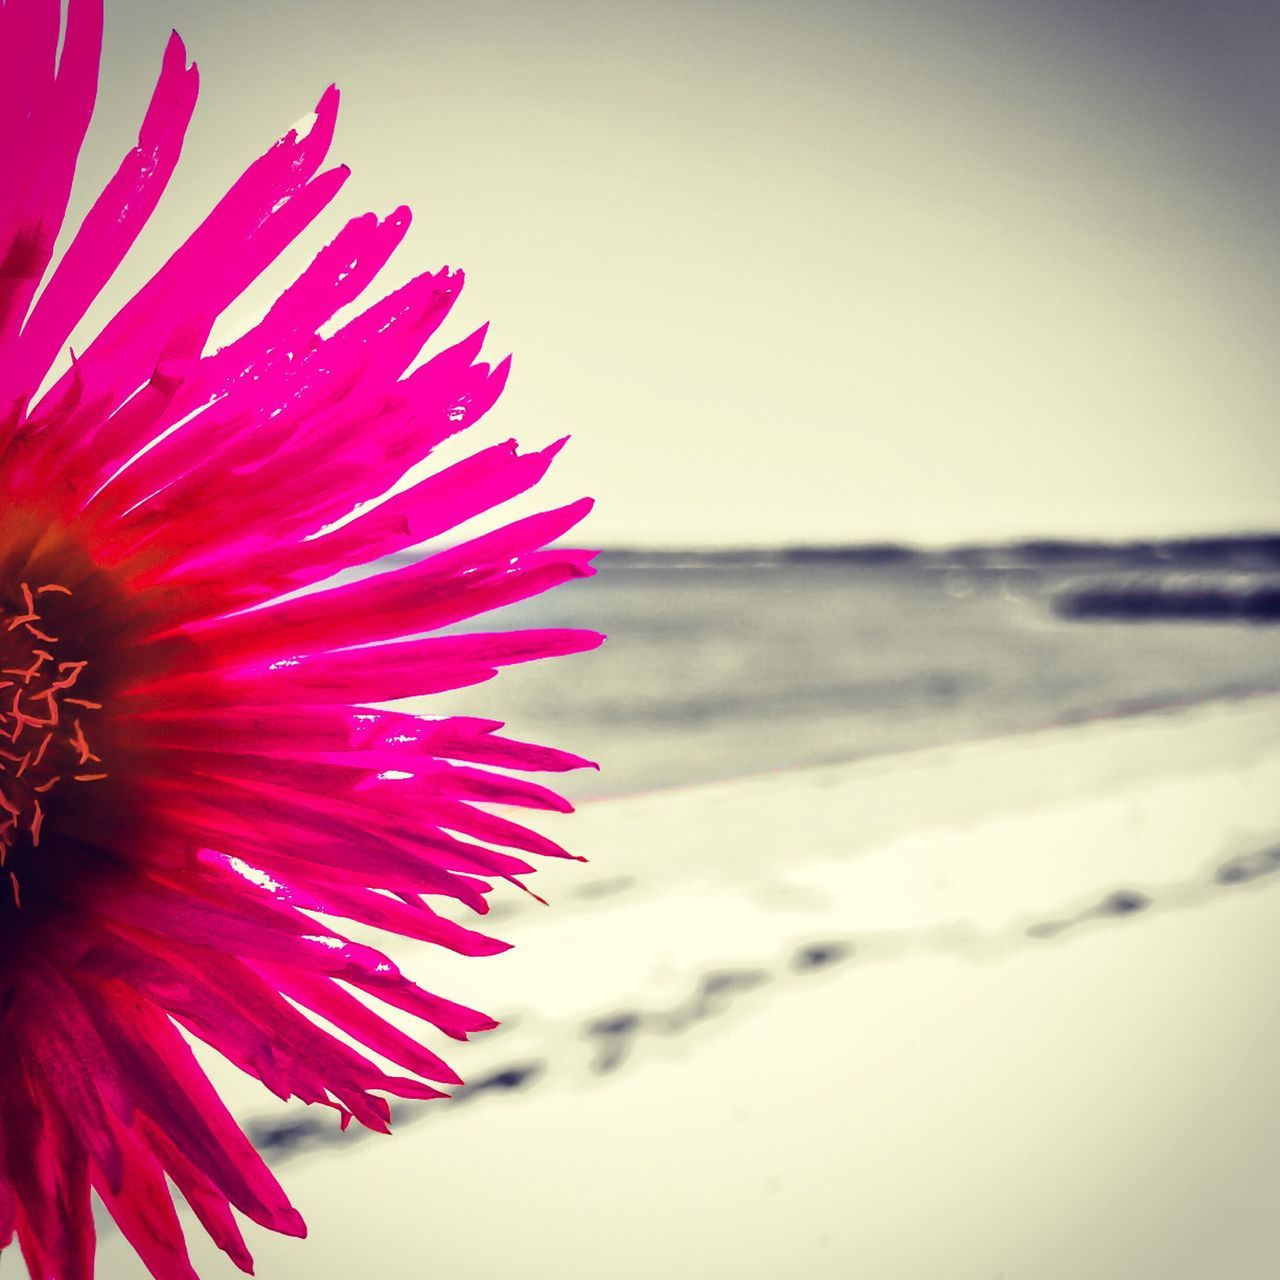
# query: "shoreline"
1152,711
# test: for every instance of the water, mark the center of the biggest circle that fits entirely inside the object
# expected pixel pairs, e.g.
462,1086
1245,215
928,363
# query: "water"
730,669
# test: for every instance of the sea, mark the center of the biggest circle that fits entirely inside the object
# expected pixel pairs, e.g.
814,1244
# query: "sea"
722,665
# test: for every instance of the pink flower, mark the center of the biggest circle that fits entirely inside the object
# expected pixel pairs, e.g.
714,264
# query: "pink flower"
192,795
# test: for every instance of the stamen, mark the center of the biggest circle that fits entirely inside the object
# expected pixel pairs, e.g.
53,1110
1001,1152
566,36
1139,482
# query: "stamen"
81,745
30,616
47,746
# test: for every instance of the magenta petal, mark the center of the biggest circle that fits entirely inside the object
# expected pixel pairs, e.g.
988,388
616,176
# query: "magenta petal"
208,1204
145,1213
177,1097
110,227
60,1038
46,140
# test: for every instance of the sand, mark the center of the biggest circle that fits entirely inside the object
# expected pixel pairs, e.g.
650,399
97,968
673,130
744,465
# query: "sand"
1002,1009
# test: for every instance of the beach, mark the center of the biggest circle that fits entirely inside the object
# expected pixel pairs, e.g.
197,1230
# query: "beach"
996,1008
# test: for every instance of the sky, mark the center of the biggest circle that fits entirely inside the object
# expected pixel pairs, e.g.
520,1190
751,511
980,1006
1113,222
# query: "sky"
927,270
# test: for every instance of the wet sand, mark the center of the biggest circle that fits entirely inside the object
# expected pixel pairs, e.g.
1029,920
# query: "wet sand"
1002,1009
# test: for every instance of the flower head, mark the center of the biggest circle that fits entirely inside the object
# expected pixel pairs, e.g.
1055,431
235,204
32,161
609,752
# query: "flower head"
194,793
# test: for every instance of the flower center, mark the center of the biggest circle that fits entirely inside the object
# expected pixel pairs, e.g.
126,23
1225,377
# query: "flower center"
44,718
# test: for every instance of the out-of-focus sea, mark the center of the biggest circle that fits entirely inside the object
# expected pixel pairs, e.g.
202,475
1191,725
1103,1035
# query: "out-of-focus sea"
718,667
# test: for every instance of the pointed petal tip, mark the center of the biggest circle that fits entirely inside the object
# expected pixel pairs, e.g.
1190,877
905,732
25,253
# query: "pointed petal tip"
238,1252
290,1223
579,510
175,51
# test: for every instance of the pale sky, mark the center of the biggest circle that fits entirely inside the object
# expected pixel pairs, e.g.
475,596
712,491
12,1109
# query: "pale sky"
921,269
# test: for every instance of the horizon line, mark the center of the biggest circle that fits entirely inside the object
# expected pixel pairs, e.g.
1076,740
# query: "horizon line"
1237,539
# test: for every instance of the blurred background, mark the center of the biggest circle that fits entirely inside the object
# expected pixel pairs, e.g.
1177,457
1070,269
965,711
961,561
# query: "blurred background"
920,356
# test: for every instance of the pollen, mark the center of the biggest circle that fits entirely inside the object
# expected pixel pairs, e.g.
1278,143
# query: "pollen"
46,725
